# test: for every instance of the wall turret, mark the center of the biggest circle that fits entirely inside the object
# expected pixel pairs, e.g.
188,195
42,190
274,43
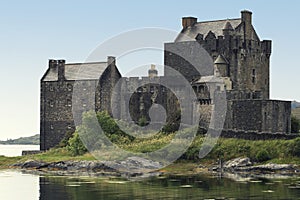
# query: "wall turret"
221,67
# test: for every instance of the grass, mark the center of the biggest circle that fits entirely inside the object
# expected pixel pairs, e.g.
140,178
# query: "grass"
278,151
6,161
59,154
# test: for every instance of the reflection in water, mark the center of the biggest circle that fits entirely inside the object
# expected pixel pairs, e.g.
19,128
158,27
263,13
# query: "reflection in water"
171,187
15,185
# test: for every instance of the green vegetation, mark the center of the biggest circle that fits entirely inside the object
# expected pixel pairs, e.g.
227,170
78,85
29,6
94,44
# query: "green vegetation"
75,146
275,151
72,148
295,125
6,161
262,156
225,149
32,140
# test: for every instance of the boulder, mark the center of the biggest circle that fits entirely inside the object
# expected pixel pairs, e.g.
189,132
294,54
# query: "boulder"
237,162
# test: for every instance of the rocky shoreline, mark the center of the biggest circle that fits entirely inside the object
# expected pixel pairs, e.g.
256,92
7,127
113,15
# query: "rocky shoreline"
244,165
139,167
131,167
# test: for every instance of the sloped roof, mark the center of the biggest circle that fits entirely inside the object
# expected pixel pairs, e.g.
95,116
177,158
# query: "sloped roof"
209,79
228,26
78,71
221,60
190,33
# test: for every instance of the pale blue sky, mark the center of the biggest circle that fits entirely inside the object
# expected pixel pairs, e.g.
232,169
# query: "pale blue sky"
34,31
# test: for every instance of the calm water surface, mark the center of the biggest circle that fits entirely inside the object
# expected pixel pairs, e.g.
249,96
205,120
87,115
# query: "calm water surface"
16,150
15,185
18,185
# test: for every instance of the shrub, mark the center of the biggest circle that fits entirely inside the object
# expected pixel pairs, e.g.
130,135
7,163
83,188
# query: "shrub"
112,130
142,121
262,156
75,145
170,128
64,141
294,147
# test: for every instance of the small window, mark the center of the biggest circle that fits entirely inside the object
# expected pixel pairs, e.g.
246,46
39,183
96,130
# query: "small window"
51,103
84,103
69,86
195,88
201,88
69,103
253,80
51,88
253,76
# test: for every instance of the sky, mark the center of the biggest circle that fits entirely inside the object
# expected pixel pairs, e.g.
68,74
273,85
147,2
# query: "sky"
34,31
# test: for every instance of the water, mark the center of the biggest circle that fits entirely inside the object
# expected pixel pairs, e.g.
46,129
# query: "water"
16,150
17,185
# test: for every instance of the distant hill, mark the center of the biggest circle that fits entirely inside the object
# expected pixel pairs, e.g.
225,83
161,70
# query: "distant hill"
33,140
295,104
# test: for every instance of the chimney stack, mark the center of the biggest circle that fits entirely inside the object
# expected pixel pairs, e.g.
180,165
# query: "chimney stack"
52,64
61,69
246,16
188,21
247,20
111,60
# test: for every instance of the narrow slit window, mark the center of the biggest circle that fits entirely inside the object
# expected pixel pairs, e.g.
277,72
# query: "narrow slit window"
253,76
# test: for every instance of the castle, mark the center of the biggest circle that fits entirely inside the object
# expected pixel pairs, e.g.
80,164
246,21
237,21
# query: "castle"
241,70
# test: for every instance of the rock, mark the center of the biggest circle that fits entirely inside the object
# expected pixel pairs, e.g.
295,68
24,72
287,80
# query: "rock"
58,166
31,164
270,167
132,166
237,162
137,162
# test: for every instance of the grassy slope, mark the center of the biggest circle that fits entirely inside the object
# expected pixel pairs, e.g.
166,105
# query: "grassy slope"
278,151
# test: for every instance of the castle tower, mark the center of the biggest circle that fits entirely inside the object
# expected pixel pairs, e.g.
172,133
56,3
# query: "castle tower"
221,67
